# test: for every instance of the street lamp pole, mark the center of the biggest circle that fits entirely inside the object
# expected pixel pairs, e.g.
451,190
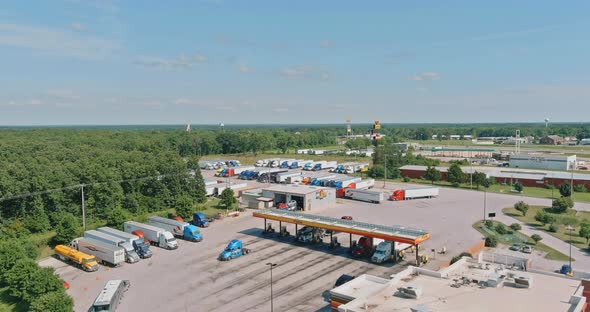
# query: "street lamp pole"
271,265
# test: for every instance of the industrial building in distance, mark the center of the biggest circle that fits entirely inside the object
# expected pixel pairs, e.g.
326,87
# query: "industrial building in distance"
531,178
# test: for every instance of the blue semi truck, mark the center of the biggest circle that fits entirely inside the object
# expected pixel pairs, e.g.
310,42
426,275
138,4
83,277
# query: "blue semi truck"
200,220
233,250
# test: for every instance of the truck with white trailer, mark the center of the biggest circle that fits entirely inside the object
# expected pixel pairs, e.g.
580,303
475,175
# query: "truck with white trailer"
180,229
423,192
387,250
141,248
105,253
319,165
364,195
157,236
130,255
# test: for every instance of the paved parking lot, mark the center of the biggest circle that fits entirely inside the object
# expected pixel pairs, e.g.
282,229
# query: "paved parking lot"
191,278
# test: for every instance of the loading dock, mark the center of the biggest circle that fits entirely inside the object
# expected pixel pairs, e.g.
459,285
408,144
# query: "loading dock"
307,197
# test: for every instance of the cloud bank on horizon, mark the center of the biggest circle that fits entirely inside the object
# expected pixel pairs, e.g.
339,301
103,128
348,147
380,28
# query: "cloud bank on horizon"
114,62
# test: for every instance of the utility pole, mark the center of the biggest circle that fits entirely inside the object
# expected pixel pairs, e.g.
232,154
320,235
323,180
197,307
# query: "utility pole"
385,164
271,265
83,208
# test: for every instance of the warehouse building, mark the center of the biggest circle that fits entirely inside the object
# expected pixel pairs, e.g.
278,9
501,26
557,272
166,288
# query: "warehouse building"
466,285
307,197
530,178
543,161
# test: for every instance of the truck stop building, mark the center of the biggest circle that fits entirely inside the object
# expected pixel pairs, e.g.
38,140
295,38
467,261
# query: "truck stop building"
467,285
543,161
307,197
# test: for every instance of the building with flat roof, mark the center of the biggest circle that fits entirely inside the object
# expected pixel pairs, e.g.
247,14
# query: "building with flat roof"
307,197
543,161
467,285
528,177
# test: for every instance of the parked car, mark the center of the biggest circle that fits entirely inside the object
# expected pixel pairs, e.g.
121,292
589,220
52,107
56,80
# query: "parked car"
527,249
346,218
516,247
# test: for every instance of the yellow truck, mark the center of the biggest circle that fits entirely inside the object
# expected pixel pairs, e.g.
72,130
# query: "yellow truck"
86,262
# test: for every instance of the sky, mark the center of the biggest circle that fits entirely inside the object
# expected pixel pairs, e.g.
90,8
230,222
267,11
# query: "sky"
76,62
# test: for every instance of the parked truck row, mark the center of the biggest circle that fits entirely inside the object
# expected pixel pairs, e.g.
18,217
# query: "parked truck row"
216,164
112,247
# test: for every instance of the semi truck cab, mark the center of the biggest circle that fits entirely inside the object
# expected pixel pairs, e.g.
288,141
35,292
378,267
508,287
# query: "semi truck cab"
142,249
233,250
200,220
382,252
192,233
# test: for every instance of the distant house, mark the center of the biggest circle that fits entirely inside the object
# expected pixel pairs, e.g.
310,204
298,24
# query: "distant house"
551,140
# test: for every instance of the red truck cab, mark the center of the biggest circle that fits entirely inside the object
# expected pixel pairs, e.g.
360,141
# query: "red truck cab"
364,247
397,195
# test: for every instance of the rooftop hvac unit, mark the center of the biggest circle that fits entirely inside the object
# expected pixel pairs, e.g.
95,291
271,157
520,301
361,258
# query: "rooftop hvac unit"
411,291
523,281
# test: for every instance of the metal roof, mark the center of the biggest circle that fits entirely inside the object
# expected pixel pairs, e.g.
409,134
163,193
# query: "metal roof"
396,233
108,292
294,189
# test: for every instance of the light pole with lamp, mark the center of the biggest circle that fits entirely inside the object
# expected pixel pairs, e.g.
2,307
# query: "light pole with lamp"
271,265
385,164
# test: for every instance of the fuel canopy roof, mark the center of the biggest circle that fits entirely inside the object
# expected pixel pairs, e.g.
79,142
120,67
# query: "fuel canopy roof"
395,233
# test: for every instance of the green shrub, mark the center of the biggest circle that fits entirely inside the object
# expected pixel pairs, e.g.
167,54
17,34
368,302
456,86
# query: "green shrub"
553,228
580,188
515,227
518,187
456,184
491,241
500,229
537,238
489,224
463,254
406,179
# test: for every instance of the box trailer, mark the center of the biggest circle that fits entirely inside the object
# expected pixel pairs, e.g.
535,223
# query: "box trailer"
130,255
294,179
364,195
105,253
364,184
423,192
345,182
142,249
319,165
234,186
157,236
283,176
180,229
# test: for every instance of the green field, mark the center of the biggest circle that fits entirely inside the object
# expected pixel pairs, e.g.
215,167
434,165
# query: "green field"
571,217
518,237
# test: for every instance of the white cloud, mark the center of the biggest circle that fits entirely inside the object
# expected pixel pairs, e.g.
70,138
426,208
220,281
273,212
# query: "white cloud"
305,71
183,101
280,110
179,63
326,44
35,102
242,68
63,94
78,27
59,42
428,76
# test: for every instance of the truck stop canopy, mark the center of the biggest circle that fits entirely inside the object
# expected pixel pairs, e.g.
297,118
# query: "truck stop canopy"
398,234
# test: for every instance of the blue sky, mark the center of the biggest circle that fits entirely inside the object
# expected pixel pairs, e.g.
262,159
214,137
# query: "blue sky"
162,62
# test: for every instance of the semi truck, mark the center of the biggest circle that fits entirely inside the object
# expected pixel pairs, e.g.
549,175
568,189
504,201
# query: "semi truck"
310,235
230,172
345,182
130,255
385,251
364,195
233,250
82,260
285,163
423,192
105,253
365,246
180,229
319,165
356,168
200,220
310,165
155,235
340,167
141,248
